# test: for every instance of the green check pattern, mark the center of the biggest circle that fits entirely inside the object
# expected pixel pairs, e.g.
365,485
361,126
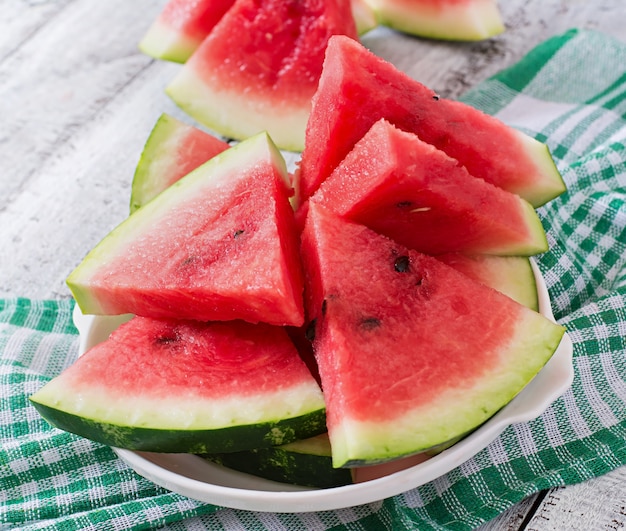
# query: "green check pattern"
569,92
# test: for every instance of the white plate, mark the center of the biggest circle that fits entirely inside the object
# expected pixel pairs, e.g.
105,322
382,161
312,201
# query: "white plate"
196,478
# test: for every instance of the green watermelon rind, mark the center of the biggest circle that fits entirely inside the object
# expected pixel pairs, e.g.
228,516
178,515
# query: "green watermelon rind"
212,175
538,240
173,410
232,116
155,151
471,21
198,441
306,462
364,16
162,42
518,282
510,275
160,164
553,184
471,408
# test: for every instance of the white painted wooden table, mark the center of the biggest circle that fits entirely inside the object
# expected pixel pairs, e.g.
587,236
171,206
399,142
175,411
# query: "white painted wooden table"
78,100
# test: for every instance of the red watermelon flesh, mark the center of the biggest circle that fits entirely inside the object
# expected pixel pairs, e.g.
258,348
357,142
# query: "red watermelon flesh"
259,68
357,88
186,386
181,26
172,150
441,19
411,353
219,244
414,193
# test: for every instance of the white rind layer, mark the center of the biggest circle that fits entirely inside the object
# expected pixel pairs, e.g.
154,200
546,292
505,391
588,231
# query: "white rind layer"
169,412
470,20
552,184
238,115
162,42
168,134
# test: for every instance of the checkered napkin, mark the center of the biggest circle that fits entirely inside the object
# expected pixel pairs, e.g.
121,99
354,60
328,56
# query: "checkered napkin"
569,92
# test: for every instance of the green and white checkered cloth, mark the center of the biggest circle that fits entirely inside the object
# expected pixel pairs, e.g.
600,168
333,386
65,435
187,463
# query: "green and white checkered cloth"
569,92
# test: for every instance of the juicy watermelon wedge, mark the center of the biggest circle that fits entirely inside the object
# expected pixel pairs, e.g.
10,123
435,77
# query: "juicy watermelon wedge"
459,20
411,353
180,28
259,67
357,88
219,244
414,193
172,150
178,386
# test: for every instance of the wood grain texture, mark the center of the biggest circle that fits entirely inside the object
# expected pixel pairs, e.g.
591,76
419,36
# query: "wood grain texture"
593,505
78,100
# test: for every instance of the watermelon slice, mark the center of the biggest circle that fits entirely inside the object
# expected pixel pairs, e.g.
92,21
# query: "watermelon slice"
172,150
357,88
177,386
459,20
180,28
364,17
219,244
411,353
414,193
306,462
259,67
511,275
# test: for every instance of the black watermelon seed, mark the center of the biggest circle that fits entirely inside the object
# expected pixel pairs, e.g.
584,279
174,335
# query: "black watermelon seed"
188,261
324,304
404,204
167,339
401,265
436,97
369,323
238,233
309,333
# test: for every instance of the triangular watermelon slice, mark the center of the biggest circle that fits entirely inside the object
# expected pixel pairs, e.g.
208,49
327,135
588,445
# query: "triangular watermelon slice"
411,353
172,150
459,20
180,28
414,193
259,67
185,386
219,244
357,88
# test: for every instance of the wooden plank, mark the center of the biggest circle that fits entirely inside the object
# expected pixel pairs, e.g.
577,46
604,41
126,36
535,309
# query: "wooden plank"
77,101
21,21
515,518
596,504
60,78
